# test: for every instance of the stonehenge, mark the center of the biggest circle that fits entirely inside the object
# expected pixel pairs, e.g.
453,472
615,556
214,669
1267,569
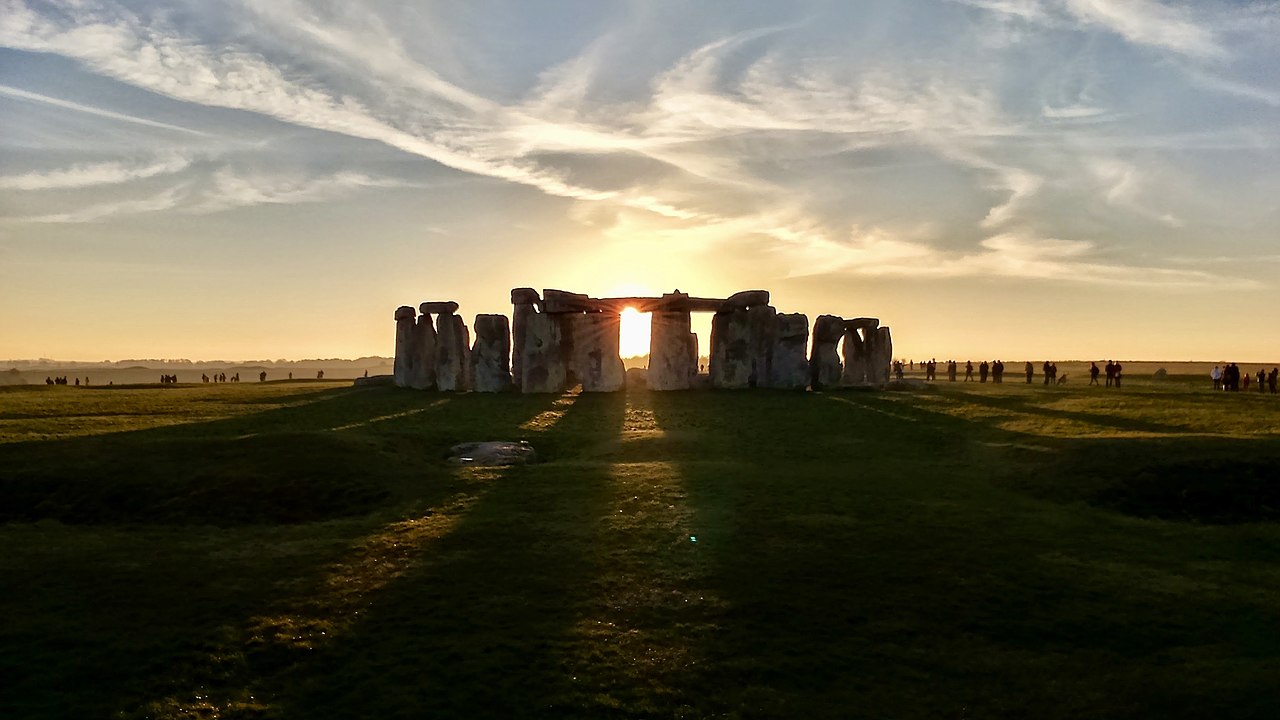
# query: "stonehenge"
557,340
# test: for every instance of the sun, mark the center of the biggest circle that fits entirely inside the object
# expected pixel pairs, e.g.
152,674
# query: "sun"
634,334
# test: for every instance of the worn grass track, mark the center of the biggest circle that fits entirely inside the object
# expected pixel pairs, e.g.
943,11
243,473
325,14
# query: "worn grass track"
302,551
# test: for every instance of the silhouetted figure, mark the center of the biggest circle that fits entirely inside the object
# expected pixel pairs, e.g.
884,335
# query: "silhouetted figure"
1216,376
1111,373
319,374
1244,382
1231,378
1262,379
897,369
1117,370
951,370
48,380
1045,369
77,382
968,371
290,376
983,369
997,370
262,376
1030,370
86,381
1093,373
366,373
1271,379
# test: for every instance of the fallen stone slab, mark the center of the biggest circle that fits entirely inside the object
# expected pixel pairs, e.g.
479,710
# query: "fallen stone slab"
375,380
493,453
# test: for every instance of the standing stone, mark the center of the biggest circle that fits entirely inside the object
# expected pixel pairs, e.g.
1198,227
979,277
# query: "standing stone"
596,361
730,350
880,357
542,363
789,368
855,357
859,338
490,367
673,351
524,302
451,353
404,345
423,374
762,324
824,362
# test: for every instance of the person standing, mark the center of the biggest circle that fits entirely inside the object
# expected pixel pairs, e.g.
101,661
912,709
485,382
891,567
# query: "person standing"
1116,369
1111,372
983,369
1271,379
1216,375
1045,369
951,370
1093,373
968,371
1030,370
1262,377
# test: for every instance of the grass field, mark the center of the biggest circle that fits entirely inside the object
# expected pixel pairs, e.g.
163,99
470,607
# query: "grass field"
303,550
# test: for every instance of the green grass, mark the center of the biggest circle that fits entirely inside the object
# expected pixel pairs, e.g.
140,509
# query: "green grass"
305,551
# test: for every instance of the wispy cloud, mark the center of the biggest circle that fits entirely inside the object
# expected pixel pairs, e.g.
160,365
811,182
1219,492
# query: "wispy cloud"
231,190
1146,22
90,110
164,200
93,174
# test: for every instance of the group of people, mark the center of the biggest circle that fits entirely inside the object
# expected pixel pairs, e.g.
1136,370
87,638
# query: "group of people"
220,378
995,371
62,380
1113,369
1230,379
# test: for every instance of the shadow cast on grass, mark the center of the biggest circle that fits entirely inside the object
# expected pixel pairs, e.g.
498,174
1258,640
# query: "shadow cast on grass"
483,626
886,574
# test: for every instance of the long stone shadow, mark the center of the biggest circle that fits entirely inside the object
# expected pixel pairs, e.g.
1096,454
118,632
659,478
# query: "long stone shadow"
240,672
879,572
115,625
480,627
1029,404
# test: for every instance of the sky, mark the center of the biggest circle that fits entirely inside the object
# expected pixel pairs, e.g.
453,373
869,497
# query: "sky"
259,179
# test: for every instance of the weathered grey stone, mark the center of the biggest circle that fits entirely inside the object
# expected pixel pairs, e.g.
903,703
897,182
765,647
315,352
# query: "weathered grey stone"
762,320
375,381
730,350
745,299
856,356
673,351
543,365
559,301
423,374
523,300
451,353
493,453
525,296
404,345
490,366
435,308
824,362
880,357
595,360
788,366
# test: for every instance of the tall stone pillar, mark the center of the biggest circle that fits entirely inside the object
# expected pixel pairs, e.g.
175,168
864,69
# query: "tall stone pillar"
404,345
859,339
762,324
824,361
451,353
423,374
490,356
731,350
673,351
596,361
542,363
789,368
880,357
523,302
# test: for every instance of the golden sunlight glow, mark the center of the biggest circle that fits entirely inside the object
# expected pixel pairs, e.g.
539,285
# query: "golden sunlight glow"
634,338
